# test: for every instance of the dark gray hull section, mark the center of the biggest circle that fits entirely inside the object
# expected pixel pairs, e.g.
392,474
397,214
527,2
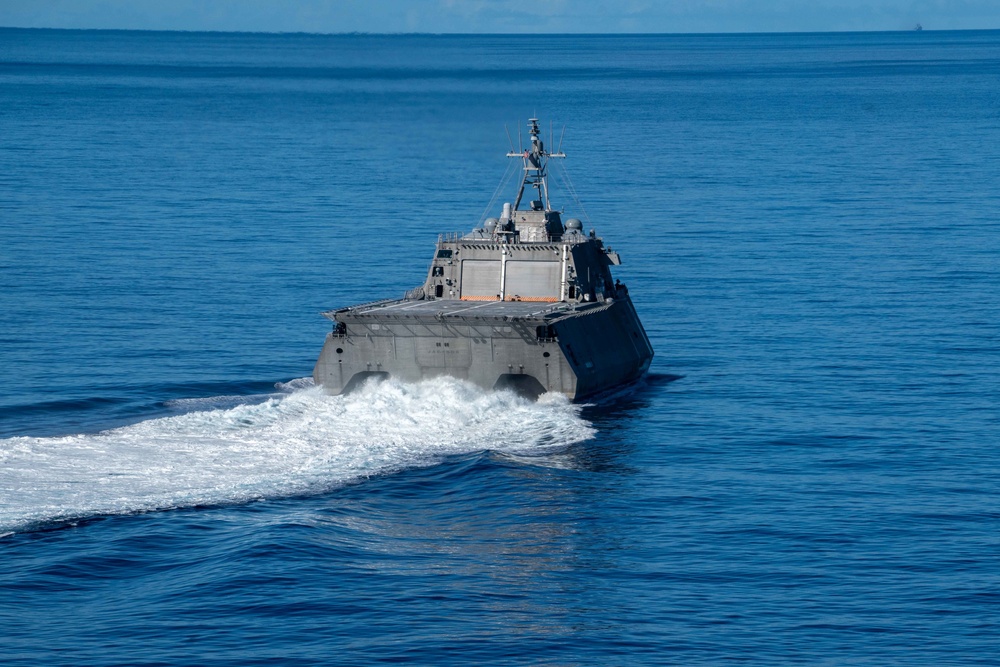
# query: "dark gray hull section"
576,351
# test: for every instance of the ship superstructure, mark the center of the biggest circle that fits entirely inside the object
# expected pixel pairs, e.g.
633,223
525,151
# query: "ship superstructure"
524,302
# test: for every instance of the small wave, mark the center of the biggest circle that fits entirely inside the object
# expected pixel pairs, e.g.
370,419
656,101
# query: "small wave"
214,402
294,385
302,442
231,401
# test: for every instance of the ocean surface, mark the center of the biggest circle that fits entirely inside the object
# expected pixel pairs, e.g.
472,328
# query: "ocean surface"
810,229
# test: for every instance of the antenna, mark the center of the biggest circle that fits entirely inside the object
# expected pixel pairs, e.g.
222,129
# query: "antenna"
561,135
508,137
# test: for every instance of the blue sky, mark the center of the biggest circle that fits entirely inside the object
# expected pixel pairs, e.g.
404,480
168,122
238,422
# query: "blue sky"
506,16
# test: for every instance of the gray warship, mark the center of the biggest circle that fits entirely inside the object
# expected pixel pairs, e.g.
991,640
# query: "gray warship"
523,302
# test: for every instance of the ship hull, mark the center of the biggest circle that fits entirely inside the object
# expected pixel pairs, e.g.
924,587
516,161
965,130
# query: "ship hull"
578,352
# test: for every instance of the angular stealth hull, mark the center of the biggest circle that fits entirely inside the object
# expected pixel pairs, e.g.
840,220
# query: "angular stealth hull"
532,348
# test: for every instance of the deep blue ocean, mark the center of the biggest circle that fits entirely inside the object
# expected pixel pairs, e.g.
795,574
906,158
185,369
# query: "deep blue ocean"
810,230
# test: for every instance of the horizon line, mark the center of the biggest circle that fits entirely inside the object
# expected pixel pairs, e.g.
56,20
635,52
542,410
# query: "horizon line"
360,33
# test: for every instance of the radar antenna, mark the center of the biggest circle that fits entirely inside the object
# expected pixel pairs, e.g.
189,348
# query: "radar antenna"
535,159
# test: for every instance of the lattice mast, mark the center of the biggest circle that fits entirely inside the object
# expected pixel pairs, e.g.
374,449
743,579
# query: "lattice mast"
535,160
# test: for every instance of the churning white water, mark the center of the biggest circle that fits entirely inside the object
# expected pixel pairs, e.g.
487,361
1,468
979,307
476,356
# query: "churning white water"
233,449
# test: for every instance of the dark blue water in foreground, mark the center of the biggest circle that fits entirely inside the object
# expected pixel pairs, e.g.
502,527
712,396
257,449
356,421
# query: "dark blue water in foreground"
809,226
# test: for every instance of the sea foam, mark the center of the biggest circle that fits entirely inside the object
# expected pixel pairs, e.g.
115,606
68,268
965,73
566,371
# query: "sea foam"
298,443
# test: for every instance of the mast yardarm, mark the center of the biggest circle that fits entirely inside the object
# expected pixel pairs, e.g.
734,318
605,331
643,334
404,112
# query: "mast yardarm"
535,159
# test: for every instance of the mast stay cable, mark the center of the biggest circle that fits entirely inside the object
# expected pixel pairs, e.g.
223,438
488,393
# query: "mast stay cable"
563,174
508,174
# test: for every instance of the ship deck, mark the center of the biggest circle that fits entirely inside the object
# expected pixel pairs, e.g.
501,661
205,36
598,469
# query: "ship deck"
450,308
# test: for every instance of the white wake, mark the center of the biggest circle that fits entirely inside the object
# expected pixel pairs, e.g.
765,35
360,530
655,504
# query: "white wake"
302,442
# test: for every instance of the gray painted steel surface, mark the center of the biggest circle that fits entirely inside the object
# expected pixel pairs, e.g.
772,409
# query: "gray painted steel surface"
525,303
